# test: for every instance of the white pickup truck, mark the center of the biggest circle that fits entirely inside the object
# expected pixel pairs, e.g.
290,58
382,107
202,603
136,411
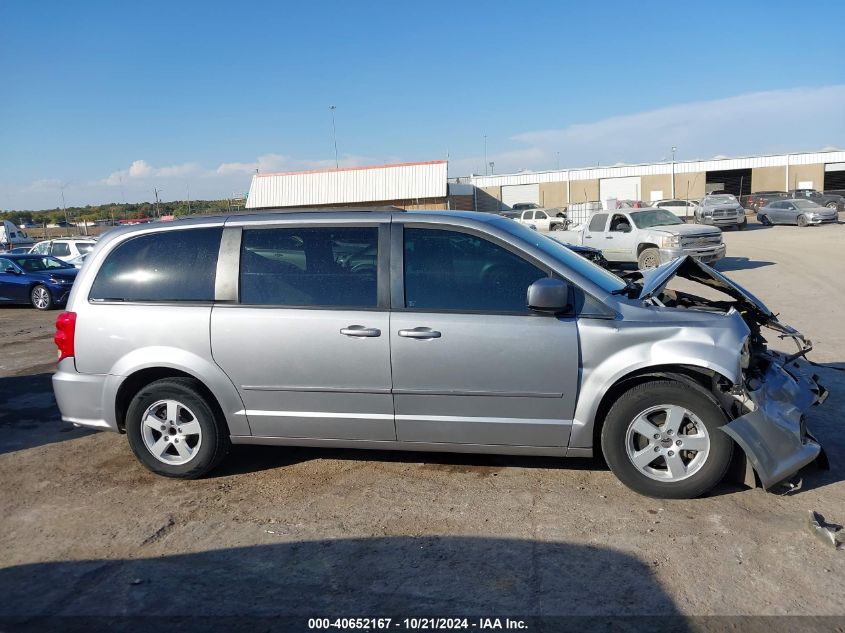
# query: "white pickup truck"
533,215
649,237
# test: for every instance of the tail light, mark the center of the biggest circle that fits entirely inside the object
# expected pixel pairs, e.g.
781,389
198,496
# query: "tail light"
65,334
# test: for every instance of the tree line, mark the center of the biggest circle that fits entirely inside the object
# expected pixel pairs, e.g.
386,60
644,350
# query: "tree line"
118,211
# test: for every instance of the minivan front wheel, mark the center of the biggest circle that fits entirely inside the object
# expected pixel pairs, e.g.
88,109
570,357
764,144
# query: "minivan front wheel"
173,430
663,439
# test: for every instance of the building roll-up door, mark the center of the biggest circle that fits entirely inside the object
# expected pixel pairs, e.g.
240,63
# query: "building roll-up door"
514,194
627,188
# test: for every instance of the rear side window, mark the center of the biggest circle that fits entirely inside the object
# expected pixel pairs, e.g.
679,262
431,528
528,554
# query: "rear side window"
164,266
60,249
448,270
323,267
597,223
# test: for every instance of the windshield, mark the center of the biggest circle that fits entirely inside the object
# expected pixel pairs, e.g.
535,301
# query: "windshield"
654,217
85,247
719,200
805,204
36,264
604,279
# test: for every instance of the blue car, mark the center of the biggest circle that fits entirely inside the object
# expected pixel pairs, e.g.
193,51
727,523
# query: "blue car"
39,280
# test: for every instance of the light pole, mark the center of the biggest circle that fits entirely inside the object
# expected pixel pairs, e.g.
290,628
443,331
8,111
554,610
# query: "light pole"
674,149
557,160
334,137
485,154
492,165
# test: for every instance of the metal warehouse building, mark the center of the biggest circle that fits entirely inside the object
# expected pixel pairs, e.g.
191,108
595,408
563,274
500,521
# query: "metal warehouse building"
406,185
655,181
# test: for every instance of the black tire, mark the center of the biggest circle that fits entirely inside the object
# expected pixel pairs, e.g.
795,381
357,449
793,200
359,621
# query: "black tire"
831,205
559,227
742,224
214,443
640,398
40,297
802,220
649,258
764,220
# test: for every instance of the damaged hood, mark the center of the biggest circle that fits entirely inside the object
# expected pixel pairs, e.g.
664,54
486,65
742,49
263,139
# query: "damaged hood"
655,280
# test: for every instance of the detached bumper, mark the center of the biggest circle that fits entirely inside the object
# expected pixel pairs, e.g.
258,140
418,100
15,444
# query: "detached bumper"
706,255
774,435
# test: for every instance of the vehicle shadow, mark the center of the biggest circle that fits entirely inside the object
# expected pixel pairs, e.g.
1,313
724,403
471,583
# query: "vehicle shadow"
727,264
825,423
231,589
248,458
29,416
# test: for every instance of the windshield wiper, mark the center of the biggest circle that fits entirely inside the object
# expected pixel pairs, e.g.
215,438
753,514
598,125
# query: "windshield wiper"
632,289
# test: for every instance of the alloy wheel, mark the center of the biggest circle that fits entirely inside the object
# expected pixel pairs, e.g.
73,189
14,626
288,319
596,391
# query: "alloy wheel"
41,298
171,432
667,443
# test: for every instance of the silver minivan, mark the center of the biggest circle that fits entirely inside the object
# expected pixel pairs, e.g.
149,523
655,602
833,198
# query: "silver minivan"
425,331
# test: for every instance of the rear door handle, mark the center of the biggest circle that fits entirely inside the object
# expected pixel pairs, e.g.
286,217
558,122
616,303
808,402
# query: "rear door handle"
419,332
360,331
608,237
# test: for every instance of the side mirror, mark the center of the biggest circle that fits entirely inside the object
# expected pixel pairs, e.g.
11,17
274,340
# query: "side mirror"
11,270
549,295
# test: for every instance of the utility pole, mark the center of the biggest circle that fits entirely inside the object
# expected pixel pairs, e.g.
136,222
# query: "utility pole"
64,208
188,188
674,149
158,208
485,154
557,160
334,137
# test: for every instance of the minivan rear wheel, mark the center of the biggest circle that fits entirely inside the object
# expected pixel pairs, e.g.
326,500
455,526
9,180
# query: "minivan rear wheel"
173,430
663,439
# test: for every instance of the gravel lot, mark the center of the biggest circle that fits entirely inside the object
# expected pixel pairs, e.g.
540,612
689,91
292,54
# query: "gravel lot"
86,530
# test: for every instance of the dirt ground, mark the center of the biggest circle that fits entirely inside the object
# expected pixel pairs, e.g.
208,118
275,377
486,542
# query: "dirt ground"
85,530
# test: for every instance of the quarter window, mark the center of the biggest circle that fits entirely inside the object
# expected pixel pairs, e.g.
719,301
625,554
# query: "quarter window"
448,270
327,267
164,266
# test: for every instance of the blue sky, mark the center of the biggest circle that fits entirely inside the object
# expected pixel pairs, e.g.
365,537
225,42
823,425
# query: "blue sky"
111,99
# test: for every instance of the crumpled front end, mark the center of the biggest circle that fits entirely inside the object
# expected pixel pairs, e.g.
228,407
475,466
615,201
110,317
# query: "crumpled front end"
773,433
768,407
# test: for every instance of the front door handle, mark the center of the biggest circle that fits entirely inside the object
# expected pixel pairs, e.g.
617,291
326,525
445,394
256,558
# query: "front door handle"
608,237
419,332
360,331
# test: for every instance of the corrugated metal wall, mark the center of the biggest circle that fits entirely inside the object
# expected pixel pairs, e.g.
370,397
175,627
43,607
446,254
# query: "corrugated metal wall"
653,169
407,181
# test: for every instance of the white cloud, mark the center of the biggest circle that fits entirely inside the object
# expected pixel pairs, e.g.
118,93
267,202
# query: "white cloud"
775,121
281,162
141,170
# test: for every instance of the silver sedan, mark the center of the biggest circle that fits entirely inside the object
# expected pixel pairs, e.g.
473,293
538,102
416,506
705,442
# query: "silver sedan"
795,211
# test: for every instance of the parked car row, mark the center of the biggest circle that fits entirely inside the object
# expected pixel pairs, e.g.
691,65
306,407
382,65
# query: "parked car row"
39,280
